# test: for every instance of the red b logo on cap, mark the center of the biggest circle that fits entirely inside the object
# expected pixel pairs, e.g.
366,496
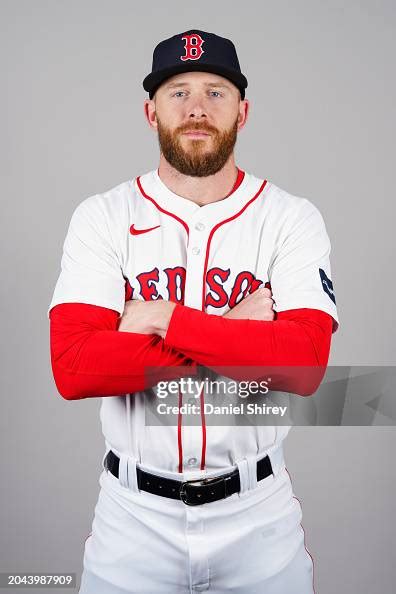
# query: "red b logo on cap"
193,47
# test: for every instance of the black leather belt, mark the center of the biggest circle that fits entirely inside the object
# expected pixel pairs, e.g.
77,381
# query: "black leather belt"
194,492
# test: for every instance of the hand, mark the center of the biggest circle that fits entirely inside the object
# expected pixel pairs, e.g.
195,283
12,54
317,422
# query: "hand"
255,306
146,317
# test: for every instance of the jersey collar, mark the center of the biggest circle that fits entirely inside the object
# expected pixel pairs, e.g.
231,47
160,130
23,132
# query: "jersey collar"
151,186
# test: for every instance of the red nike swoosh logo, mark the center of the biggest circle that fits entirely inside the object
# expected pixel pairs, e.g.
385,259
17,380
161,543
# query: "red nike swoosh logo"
135,231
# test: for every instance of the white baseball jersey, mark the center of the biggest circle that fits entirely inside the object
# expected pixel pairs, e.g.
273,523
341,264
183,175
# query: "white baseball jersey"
143,241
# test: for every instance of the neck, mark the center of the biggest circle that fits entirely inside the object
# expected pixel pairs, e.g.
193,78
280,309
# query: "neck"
201,190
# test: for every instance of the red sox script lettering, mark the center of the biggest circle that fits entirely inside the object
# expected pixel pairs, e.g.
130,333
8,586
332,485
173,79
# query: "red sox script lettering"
193,47
151,288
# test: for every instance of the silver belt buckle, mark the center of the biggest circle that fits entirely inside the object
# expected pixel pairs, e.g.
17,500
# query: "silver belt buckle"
189,486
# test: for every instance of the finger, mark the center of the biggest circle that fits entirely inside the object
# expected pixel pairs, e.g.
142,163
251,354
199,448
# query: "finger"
265,292
268,302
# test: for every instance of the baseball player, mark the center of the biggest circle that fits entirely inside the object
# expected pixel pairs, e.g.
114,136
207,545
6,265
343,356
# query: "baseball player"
195,264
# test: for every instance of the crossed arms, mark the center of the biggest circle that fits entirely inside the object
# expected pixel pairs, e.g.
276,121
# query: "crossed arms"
96,353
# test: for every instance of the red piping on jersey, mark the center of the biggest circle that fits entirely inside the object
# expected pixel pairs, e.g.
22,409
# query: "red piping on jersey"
213,232
179,419
170,214
179,434
203,426
238,181
203,455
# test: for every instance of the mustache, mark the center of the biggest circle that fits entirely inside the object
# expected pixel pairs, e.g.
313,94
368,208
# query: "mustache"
201,127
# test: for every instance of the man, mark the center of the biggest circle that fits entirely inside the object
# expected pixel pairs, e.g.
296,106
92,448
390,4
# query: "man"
197,264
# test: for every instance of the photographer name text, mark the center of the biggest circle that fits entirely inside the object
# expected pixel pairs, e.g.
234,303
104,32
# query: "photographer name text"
228,409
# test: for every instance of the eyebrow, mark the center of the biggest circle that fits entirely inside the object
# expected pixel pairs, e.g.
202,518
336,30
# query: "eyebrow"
186,83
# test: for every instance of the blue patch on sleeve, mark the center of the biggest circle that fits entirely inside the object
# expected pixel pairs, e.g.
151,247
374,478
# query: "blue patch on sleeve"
327,284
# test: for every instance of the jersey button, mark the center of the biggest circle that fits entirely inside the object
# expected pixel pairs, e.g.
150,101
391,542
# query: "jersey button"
195,251
192,462
200,226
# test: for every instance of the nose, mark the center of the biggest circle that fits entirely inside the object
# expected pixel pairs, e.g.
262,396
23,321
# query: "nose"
196,110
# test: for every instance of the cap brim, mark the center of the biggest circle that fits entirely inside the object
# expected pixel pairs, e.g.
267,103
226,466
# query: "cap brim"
154,79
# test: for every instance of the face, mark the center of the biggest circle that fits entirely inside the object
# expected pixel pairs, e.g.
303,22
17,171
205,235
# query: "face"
197,116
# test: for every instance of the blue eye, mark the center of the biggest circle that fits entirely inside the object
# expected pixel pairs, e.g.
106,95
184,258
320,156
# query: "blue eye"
216,92
178,93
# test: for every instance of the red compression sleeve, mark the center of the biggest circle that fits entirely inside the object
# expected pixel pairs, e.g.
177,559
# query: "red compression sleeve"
296,338
89,357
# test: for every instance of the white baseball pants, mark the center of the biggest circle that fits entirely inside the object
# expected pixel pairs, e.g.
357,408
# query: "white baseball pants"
250,543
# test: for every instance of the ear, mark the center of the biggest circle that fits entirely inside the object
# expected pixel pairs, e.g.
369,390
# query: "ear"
244,106
150,113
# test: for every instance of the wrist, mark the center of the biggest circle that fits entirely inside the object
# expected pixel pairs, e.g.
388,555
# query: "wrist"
163,320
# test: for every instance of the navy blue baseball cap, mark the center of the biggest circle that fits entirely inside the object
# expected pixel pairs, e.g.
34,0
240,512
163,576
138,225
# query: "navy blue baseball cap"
194,50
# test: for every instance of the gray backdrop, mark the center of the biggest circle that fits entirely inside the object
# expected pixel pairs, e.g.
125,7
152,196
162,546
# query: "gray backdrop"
322,92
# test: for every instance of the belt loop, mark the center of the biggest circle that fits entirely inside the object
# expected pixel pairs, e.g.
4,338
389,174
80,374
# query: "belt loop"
277,459
104,459
252,466
127,475
243,475
247,467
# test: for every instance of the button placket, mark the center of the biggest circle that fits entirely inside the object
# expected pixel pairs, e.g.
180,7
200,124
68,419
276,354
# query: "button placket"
195,261
197,238
192,437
